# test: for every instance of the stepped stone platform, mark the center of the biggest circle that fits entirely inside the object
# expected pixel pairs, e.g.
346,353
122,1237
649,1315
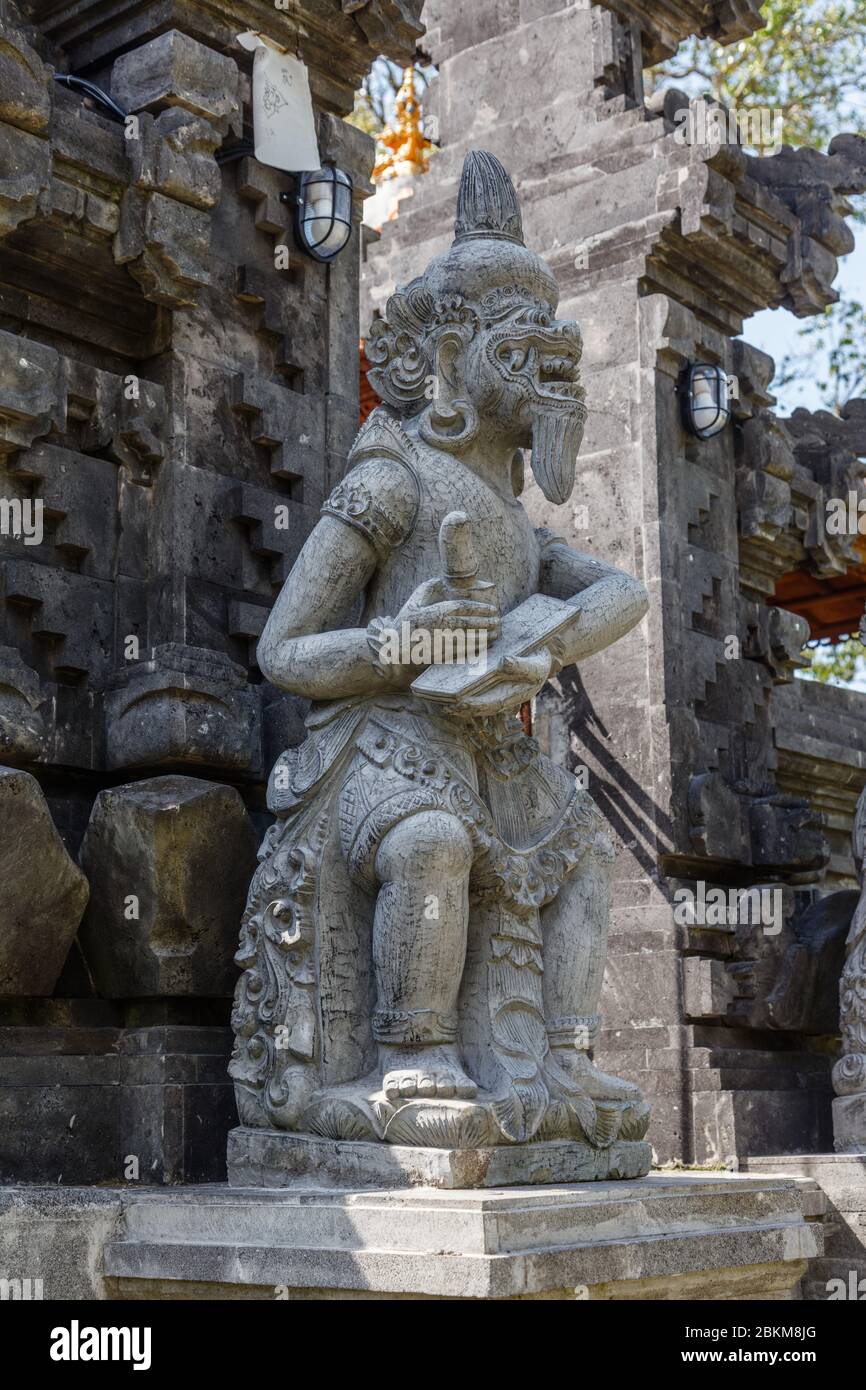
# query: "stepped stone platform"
666,1236
841,1272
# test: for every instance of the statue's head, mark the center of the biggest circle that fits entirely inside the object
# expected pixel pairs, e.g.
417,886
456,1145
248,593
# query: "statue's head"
473,346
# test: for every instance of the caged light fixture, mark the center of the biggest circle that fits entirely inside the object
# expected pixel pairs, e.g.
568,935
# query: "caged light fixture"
705,396
323,211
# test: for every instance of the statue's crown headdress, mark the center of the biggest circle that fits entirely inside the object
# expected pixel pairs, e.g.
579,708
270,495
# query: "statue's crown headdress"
487,203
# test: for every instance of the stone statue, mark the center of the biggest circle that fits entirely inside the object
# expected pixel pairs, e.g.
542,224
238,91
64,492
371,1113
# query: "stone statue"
849,1073
425,937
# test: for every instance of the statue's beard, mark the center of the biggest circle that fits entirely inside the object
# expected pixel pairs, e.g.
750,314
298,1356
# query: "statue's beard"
556,436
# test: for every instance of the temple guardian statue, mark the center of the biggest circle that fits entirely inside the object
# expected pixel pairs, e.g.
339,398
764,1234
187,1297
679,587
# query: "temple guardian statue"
425,937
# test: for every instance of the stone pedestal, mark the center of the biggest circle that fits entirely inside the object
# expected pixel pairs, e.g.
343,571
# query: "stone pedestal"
689,1236
273,1158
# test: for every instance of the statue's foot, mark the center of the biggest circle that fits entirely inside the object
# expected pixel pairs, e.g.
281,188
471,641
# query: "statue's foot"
596,1084
425,1073
605,1107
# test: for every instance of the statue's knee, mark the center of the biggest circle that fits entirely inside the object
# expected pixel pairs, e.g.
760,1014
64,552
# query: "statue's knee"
603,849
431,842
601,857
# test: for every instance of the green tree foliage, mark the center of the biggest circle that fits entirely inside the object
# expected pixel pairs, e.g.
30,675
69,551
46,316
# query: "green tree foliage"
363,116
834,661
835,342
809,61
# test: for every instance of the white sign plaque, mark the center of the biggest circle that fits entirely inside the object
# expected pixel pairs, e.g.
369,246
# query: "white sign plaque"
284,125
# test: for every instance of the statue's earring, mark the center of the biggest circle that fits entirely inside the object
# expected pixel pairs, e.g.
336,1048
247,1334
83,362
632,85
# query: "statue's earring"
518,473
452,425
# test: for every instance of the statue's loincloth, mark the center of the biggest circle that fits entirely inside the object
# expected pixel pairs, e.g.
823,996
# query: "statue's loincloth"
375,763
305,1058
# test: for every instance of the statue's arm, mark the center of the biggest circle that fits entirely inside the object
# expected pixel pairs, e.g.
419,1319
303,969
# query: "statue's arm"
306,646
303,648
611,602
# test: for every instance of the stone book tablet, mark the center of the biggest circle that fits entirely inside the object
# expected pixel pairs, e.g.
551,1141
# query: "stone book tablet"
525,630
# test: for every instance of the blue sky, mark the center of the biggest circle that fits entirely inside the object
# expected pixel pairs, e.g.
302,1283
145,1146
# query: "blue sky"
775,330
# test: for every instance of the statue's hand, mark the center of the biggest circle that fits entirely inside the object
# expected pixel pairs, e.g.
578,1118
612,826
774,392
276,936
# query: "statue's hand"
519,679
436,606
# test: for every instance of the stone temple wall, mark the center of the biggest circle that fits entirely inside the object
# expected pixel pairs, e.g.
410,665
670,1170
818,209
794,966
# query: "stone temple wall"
711,764
175,401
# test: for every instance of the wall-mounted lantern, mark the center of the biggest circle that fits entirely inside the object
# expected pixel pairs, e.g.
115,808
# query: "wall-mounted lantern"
323,212
705,395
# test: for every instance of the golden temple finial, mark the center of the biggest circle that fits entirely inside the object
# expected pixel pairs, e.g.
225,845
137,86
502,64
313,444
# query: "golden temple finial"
407,147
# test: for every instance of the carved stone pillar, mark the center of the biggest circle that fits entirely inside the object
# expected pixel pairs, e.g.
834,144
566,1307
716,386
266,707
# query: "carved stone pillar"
849,1073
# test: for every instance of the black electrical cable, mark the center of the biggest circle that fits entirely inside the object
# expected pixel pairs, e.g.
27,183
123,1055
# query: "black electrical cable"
90,89
236,152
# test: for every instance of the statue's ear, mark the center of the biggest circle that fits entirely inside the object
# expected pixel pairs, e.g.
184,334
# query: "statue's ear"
450,347
450,420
